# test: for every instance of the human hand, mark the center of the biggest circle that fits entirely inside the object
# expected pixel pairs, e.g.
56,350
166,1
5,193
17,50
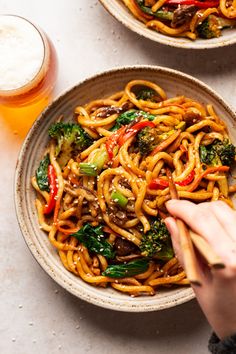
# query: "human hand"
216,222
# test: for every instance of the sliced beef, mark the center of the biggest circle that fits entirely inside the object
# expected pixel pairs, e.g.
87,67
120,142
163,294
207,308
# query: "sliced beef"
183,14
124,183
105,112
192,118
117,216
124,247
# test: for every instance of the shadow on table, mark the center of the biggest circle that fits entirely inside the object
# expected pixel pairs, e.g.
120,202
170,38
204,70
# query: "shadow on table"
180,321
203,62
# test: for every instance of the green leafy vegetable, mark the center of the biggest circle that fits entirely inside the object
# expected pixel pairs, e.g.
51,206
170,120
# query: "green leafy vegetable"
207,156
149,138
119,198
93,238
127,270
209,28
42,174
226,152
128,116
218,153
157,242
162,14
71,139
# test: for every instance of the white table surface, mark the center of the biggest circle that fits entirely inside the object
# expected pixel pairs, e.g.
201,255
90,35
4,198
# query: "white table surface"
37,316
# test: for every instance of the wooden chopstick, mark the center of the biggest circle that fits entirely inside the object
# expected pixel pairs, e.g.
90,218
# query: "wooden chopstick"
213,260
187,237
189,256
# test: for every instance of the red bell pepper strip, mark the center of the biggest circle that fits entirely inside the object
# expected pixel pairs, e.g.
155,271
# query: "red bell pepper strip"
112,141
187,180
196,182
199,4
158,183
133,130
52,179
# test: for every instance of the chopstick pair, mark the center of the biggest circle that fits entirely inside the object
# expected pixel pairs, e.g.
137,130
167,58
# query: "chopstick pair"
188,238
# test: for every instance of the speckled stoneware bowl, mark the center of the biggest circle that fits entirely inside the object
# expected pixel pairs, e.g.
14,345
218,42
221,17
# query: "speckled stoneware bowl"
117,9
98,86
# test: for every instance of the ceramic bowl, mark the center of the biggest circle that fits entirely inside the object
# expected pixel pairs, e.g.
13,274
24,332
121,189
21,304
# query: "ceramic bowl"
98,86
118,10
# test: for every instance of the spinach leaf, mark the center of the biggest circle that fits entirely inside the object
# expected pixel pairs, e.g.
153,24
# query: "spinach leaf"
205,155
127,270
128,116
42,174
93,238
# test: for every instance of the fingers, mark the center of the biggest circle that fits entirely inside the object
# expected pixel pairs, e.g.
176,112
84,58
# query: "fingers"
203,220
225,215
174,232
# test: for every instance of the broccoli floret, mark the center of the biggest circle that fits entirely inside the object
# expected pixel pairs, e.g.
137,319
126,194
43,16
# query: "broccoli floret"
157,242
128,116
208,156
226,152
147,139
217,153
209,28
71,139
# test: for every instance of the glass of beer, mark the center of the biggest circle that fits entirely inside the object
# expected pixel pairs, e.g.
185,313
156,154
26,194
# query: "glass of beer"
28,70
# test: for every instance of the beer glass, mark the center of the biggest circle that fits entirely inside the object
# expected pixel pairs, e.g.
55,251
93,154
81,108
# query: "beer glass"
28,70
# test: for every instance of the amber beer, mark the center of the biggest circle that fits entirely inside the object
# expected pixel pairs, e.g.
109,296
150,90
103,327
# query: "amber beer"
28,70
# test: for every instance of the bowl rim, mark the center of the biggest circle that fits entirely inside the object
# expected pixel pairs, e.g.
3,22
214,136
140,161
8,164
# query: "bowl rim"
168,40
124,306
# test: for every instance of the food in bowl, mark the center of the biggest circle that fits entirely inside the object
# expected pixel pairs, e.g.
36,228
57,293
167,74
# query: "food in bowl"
102,186
185,18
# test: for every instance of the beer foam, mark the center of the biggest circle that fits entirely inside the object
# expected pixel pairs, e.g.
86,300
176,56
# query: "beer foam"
21,52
